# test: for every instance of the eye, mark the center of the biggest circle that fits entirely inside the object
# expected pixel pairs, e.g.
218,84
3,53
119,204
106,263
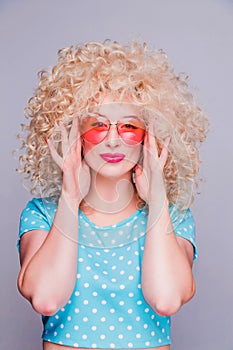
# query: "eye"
129,126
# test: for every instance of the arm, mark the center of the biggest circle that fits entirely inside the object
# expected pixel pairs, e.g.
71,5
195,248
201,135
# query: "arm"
49,261
167,279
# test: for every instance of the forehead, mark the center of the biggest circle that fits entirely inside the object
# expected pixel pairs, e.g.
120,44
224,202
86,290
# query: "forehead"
116,109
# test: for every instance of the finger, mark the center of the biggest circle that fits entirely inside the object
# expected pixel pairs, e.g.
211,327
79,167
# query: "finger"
57,159
164,153
153,145
65,141
74,131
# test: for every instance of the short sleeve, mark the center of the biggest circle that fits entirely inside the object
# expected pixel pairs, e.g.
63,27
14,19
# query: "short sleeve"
184,226
37,215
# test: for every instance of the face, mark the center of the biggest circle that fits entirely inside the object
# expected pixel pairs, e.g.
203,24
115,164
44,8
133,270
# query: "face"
112,136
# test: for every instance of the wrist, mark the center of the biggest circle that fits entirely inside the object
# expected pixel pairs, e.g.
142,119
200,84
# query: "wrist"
69,201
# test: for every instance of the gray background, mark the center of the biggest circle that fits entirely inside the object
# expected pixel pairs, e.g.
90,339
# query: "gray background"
197,36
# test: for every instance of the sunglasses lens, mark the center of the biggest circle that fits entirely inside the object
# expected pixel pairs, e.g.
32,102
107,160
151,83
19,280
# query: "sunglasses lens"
94,128
132,131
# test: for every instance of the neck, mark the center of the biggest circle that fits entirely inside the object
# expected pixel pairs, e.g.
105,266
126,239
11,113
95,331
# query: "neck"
110,195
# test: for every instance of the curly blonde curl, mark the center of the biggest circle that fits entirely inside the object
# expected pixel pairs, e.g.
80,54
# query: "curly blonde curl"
82,75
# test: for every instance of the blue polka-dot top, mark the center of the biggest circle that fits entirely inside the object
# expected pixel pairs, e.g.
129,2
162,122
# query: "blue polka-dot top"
107,308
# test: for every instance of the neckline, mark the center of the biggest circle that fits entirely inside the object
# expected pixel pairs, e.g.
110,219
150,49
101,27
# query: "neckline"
107,227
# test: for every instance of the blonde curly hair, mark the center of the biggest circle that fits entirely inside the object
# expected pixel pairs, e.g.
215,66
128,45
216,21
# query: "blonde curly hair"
82,74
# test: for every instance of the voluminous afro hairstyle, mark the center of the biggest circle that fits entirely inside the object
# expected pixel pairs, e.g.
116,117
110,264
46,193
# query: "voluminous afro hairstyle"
81,76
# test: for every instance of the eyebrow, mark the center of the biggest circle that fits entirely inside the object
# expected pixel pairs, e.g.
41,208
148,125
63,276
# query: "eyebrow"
126,116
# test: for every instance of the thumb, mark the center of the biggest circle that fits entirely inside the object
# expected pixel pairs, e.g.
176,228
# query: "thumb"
138,169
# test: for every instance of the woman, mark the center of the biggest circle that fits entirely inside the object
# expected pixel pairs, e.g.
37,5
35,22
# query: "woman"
106,251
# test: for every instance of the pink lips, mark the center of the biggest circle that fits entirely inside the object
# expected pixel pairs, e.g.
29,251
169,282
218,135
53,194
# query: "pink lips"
113,157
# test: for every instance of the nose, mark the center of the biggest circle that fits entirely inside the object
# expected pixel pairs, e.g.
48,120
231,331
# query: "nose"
112,139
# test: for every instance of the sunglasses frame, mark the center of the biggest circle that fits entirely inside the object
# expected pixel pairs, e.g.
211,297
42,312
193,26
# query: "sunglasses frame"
110,123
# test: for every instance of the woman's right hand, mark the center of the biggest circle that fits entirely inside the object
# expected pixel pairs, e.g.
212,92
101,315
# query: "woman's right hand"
76,173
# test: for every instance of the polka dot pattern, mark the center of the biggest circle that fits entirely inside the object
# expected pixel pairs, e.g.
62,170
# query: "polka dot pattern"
107,308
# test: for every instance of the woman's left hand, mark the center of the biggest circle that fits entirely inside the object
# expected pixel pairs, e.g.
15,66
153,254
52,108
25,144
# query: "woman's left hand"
149,177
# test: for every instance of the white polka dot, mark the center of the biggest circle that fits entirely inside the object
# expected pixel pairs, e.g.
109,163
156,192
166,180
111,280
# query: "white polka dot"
96,277
105,272
128,248
105,234
97,264
86,285
159,340
103,302
80,259
76,345
145,326
112,295
103,336
61,325
147,343
138,335
114,267
113,280
67,335
57,317
33,222
76,327
86,224
131,295
104,286
157,323
112,311
129,262
94,294
121,257
120,336
105,261
129,328
94,328
84,336
152,333
138,268
121,303
111,328
88,268
139,302
51,324
97,253
55,333
163,330
103,319
130,345
147,310
78,275
122,272
85,319
85,302
93,346
131,277
94,311
130,311
139,286
76,310
138,318
33,212
112,346
122,286
113,254
185,229
69,318
89,255
76,293
120,319
62,309
26,219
